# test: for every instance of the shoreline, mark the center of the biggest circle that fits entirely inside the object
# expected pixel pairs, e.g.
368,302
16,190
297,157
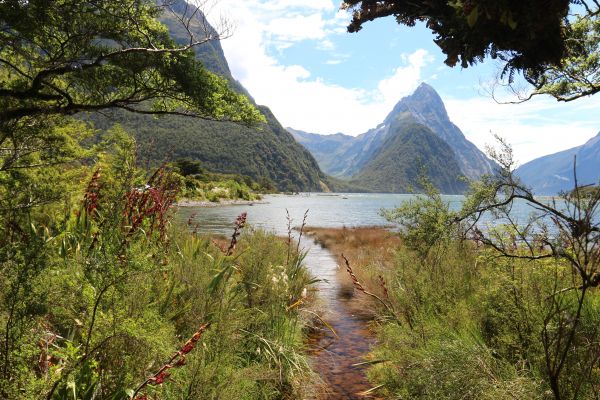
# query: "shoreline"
220,203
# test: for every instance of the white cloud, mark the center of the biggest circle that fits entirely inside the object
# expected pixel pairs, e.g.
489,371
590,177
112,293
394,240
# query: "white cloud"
297,28
403,80
535,128
326,45
297,98
326,5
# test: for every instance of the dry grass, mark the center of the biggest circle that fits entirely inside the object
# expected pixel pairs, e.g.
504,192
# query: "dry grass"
370,251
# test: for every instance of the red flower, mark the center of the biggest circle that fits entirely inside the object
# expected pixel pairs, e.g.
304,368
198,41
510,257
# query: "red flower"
160,378
189,346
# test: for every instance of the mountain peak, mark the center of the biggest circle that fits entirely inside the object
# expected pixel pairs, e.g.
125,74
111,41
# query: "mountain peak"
425,89
426,107
423,101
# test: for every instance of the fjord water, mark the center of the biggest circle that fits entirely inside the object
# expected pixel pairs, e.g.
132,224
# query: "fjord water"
334,358
324,210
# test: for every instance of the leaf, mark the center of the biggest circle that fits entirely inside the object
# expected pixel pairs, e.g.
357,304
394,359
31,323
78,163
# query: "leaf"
473,16
511,22
323,322
222,275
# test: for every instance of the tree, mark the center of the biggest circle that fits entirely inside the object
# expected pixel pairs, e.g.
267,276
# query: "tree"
562,230
64,57
59,58
554,44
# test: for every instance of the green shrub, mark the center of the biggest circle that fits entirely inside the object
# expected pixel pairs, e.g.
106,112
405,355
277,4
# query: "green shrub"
105,290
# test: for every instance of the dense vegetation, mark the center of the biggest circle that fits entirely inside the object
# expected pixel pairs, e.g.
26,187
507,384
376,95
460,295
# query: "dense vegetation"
202,185
267,154
474,311
60,58
101,296
100,290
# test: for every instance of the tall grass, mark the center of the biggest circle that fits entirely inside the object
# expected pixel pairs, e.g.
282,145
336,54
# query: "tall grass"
120,303
466,323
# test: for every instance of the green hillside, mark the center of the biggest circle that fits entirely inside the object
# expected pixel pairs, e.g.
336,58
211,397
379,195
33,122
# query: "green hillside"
267,153
410,151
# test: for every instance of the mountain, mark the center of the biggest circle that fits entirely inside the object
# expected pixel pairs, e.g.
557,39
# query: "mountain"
267,154
362,159
341,155
553,173
323,146
409,150
427,107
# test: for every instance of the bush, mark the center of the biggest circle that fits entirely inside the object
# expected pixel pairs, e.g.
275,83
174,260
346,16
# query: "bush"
511,313
105,290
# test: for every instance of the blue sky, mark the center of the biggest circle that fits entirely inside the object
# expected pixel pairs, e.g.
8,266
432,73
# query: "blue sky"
295,57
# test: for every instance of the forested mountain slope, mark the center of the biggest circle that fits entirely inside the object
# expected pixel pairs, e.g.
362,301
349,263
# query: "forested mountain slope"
410,151
265,153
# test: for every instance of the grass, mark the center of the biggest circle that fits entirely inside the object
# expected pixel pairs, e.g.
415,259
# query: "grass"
120,301
461,323
370,250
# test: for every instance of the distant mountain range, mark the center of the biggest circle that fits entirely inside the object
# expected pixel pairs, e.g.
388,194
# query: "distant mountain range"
553,173
269,154
416,138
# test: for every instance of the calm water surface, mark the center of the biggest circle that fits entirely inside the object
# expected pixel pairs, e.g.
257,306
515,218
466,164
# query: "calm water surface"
332,357
324,211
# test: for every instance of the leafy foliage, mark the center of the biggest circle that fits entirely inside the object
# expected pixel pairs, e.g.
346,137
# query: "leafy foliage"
553,44
511,313
425,221
100,288
65,57
578,75
200,184
528,32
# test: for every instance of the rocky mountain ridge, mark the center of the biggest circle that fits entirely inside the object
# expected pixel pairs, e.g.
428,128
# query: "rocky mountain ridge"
553,173
423,113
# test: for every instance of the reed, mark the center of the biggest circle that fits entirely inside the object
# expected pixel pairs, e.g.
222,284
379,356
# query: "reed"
175,361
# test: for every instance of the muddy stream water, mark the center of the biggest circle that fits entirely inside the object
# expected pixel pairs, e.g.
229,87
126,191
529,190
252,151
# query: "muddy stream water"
334,358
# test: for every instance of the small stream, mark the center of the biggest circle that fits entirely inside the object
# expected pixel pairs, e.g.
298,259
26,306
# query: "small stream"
333,357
